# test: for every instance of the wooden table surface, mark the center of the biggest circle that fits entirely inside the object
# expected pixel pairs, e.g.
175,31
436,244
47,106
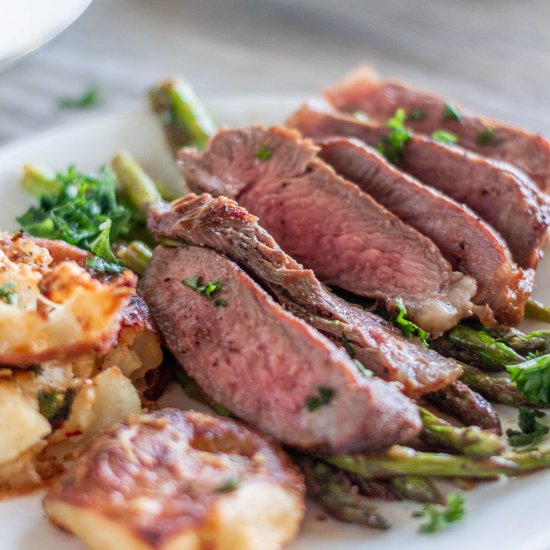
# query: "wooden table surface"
492,55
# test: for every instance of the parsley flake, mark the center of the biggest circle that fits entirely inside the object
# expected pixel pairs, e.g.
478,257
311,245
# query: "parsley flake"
361,116
486,136
8,294
530,432
416,114
90,98
444,136
437,518
206,289
347,346
230,485
55,406
532,379
263,153
362,369
398,136
407,327
450,112
325,395
82,210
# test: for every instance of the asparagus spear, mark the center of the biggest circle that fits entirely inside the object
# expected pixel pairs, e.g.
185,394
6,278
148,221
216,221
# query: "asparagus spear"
40,180
497,389
537,342
470,440
537,311
417,488
136,256
185,119
399,461
337,495
194,391
467,405
137,186
493,354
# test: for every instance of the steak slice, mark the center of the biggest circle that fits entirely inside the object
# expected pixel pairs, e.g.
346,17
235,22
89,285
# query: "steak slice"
469,243
224,226
328,224
379,99
268,367
500,194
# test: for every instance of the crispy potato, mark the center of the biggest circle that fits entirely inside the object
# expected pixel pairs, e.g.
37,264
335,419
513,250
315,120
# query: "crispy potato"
137,352
101,402
53,312
176,480
22,425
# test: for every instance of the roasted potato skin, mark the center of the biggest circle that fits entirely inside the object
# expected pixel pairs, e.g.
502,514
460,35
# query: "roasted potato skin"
180,480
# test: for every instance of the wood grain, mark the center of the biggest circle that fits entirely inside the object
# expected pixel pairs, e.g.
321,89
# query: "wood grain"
492,55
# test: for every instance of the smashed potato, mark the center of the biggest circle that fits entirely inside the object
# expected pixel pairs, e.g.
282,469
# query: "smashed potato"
53,311
177,480
72,345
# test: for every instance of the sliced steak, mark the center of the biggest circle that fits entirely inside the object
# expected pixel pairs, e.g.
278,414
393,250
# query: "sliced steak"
469,243
223,225
499,193
379,99
328,224
268,367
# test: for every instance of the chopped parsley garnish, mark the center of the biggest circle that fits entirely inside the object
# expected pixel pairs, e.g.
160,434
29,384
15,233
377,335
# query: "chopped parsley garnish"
323,397
532,378
82,210
444,136
98,264
351,352
450,112
407,327
485,137
90,98
364,371
207,289
361,116
392,145
438,518
263,153
8,294
347,345
530,432
230,485
55,406
416,114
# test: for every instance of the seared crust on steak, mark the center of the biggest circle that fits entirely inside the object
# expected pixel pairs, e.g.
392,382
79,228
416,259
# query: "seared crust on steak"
470,244
379,99
266,366
223,225
184,480
329,225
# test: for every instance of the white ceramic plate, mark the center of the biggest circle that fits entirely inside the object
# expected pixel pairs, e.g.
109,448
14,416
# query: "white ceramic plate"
508,515
27,24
